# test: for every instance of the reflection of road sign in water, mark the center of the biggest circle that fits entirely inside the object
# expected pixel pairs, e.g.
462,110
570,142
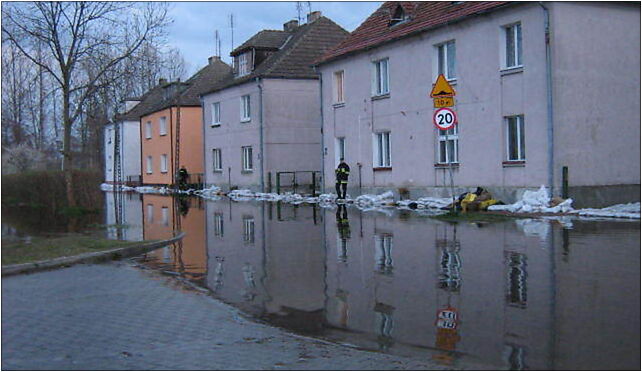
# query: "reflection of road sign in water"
447,318
444,118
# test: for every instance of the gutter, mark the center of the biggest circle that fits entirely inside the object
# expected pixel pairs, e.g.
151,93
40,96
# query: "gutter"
321,127
549,102
258,82
204,140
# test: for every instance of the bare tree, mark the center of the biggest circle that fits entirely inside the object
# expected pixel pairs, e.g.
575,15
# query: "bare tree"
74,34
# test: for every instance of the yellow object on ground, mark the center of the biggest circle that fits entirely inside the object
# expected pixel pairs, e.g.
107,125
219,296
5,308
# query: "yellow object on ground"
487,203
469,198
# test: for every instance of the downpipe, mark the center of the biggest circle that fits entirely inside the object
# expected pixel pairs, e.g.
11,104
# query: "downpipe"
260,86
321,128
549,102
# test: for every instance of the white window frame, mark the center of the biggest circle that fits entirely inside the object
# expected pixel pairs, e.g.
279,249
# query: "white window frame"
162,126
339,86
163,163
248,229
218,224
216,114
246,112
515,31
447,52
244,64
217,160
247,161
150,165
340,149
520,140
382,149
380,77
148,130
449,156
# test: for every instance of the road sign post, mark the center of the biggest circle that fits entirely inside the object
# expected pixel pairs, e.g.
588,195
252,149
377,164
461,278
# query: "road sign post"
445,118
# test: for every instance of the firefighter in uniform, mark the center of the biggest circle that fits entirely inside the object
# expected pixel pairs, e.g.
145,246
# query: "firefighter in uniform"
342,172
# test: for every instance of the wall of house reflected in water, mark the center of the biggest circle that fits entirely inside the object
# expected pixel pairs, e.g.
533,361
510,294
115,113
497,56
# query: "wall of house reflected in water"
521,294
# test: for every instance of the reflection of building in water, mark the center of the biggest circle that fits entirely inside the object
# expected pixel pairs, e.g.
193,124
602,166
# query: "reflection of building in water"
166,215
384,325
450,265
129,224
514,357
274,263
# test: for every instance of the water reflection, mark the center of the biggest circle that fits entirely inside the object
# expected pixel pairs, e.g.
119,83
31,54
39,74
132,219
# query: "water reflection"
508,294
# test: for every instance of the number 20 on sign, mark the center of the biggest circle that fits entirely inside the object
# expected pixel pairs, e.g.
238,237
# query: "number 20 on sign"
444,118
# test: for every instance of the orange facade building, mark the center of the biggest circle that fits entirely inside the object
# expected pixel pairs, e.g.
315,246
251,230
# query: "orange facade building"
174,123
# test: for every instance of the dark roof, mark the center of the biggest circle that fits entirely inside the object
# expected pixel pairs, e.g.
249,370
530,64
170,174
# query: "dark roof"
423,16
188,93
266,39
294,59
147,100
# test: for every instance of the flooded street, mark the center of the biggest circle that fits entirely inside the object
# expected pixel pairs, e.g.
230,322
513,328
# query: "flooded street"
514,294
518,294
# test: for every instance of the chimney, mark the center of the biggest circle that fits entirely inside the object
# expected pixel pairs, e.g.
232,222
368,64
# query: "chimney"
213,59
313,16
290,26
162,81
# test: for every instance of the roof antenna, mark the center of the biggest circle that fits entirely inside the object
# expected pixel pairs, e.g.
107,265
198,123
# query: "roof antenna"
232,27
299,8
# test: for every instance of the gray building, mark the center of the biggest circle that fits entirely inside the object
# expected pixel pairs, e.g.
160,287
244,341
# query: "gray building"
531,82
266,118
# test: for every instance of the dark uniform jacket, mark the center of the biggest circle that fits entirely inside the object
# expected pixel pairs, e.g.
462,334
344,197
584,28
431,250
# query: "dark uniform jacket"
342,172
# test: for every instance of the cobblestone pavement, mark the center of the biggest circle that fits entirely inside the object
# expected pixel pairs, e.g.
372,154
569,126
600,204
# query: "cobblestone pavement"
114,316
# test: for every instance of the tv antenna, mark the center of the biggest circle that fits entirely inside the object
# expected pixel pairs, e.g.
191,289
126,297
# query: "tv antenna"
232,28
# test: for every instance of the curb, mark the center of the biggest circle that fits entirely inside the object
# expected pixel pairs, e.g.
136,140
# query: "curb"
93,257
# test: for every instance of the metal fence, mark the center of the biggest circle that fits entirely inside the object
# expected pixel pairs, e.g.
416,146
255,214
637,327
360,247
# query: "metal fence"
305,182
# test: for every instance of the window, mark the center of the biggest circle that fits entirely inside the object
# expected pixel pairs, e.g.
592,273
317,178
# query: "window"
247,158
218,224
217,160
216,114
149,165
382,150
245,108
163,126
380,81
150,213
148,130
244,64
383,253
446,57
398,17
109,136
163,163
516,291
513,35
515,138
248,230
340,149
449,145
338,87
165,216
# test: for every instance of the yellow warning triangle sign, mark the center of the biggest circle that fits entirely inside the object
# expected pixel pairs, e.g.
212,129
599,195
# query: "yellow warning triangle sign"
442,88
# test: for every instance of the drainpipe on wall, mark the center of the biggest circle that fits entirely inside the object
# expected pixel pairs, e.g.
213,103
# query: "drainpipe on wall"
204,147
258,82
549,101
322,136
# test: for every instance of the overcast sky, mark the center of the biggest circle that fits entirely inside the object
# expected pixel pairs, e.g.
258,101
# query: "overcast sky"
195,23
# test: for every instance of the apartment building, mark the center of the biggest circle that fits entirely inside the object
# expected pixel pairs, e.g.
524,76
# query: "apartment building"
265,118
531,83
171,129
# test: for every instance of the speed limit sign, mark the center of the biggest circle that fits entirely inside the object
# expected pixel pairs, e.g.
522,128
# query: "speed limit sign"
444,118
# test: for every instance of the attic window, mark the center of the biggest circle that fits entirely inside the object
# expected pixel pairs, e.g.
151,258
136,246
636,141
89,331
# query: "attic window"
399,16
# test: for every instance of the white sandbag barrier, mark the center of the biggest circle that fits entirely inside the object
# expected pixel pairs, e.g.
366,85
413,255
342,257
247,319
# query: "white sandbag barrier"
532,202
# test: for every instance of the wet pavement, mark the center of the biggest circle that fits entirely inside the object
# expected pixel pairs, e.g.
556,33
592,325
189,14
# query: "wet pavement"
117,317
422,293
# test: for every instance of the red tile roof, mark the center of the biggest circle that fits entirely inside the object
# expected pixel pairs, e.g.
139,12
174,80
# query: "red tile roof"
376,29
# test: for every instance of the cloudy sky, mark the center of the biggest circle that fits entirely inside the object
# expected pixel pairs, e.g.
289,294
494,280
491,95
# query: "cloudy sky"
195,23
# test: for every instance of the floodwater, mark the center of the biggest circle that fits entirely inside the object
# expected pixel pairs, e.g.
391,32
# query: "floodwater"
519,294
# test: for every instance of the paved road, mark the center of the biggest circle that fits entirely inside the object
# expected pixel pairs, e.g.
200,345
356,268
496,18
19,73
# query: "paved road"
115,316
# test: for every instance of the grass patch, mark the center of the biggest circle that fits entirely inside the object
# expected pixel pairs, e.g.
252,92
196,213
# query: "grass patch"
46,248
472,217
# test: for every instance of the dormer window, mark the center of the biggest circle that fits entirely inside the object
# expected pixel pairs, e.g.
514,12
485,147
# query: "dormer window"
399,16
244,63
